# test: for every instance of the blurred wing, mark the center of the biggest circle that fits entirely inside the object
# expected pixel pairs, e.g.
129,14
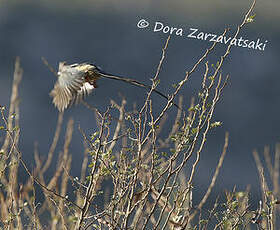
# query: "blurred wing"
68,86
84,91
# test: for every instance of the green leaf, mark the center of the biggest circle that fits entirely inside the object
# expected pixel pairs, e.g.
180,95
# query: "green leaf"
91,165
194,130
216,124
174,85
92,136
211,78
251,18
157,82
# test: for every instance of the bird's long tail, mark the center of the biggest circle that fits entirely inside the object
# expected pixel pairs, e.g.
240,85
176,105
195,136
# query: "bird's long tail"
136,83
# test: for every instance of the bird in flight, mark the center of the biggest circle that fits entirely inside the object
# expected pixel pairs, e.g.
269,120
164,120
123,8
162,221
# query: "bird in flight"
76,81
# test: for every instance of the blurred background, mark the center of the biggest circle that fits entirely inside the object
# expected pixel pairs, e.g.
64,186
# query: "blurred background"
106,33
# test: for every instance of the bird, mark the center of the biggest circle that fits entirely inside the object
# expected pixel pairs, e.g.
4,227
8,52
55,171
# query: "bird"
76,81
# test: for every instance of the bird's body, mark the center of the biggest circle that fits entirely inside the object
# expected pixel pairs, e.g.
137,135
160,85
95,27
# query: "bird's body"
78,80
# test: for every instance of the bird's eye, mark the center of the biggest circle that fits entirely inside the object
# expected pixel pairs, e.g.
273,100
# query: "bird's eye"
58,73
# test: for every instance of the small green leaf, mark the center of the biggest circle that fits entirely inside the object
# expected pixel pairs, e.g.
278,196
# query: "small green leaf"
91,165
194,130
92,136
157,82
174,86
216,124
211,78
251,18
